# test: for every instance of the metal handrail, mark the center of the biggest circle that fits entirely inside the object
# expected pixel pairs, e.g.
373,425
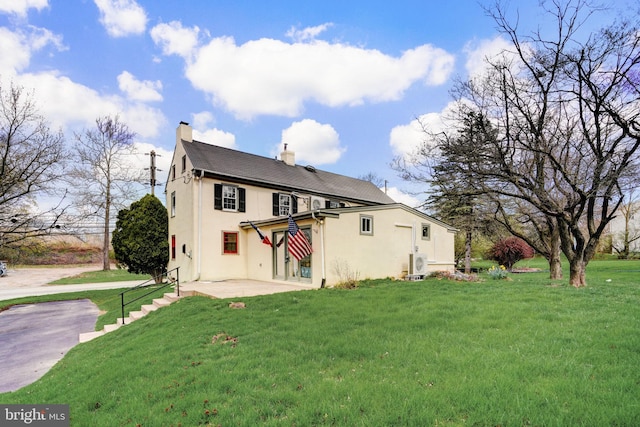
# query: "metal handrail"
169,282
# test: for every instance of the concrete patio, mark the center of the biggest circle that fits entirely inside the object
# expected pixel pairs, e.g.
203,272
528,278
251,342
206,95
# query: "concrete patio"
236,288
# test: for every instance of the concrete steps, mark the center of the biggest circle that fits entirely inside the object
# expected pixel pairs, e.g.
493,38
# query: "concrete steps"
158,303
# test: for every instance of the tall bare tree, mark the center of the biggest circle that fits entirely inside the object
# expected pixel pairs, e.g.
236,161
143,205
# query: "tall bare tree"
31,163
568,119
103,178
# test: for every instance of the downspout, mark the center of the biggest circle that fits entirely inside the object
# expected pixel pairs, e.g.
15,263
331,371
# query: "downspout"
322,265
413,238
199,261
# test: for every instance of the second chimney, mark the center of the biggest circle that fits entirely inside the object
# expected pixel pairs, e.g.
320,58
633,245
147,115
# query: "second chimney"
289,157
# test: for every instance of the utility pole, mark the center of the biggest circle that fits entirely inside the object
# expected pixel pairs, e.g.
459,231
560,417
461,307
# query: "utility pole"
152,170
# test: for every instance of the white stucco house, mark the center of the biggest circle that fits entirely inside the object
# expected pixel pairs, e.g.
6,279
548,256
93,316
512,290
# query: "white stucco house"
215,197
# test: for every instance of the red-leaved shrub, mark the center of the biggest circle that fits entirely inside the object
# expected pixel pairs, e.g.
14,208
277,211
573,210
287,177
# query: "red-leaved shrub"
509,251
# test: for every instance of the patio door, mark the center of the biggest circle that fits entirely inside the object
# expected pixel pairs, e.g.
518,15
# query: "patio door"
280,255
285,266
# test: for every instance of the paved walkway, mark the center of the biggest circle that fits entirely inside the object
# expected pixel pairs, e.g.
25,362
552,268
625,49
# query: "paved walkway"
32,281
34,337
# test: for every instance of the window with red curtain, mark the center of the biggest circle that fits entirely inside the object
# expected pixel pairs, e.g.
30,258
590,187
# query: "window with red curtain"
173,246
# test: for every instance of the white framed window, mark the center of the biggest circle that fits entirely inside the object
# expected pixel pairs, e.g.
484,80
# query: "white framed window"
173,203
366,225
229,198
284,204
426,232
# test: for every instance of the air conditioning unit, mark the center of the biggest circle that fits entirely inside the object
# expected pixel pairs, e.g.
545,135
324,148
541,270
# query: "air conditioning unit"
417,264
317,203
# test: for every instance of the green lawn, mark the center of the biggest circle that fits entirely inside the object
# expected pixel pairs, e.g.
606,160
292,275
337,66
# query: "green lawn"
515,352
100,276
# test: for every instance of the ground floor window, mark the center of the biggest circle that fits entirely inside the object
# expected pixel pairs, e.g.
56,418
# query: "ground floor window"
366,225
230,242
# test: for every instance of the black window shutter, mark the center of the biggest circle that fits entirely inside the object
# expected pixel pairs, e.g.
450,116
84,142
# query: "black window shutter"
217,196
294,202
327,204
241,199
276,204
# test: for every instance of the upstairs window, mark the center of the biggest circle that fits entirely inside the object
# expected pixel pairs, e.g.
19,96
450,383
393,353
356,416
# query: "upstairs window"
229,198
184,164
173,203
283,204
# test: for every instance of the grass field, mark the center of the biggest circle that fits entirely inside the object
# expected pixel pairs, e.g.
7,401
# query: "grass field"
517,352
100,276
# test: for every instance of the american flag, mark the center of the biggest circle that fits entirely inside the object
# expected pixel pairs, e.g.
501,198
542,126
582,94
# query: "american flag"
298,244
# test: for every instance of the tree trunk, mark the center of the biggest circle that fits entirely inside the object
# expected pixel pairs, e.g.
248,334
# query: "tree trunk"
577,270
106,265
555,265
555,268
467,253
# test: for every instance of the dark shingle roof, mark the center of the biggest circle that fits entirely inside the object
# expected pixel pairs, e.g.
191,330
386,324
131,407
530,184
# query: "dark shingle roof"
250,168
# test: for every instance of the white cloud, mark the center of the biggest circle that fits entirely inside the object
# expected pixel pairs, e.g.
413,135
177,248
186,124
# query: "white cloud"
16,47
20,7
122,17
202,119
312,142
215,137
478,52
406,139
67,104
307,34
174,39
272,77
137,90
204,133
14,51
401,197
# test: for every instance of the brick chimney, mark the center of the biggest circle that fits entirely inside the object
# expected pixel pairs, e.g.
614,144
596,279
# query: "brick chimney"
289,157
184,132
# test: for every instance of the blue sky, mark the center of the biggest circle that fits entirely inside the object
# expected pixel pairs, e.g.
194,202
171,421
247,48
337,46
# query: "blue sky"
341,82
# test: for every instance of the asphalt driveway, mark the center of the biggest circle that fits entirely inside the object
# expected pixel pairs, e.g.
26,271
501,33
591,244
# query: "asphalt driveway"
34,337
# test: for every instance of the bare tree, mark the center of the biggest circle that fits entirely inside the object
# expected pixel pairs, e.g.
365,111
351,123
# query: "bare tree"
31,163
568,120
102,176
